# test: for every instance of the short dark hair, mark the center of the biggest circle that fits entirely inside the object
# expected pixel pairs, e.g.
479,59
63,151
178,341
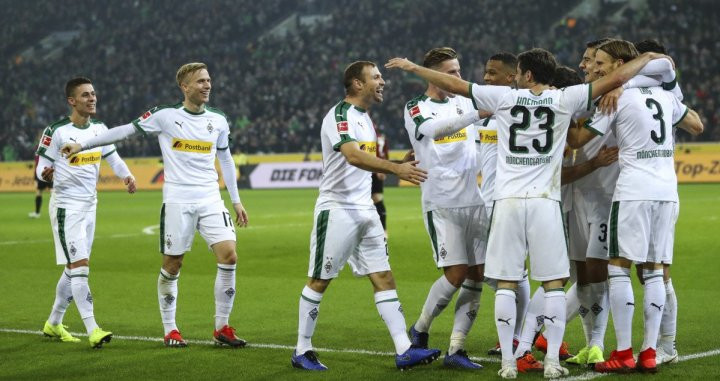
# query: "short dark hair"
566,76
595,43
436,56
620,50
650,45
507,59
540,63
354,71
72,84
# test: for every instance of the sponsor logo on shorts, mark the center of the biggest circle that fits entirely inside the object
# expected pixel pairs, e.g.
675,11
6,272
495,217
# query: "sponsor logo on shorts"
73,250
456,137
89,158
443,252
168,242
328,266
368,147
195,146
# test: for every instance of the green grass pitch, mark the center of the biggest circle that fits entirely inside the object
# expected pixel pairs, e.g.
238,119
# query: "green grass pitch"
272,266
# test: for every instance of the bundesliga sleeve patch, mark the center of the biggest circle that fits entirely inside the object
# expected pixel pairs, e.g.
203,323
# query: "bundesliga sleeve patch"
342,127
146,115
414,111
45,141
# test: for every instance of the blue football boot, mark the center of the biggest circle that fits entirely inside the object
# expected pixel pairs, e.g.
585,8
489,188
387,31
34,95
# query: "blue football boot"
416,356
418,339
307,361
460,360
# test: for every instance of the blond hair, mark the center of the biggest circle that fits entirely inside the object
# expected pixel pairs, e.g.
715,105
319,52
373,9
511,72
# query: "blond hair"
187,70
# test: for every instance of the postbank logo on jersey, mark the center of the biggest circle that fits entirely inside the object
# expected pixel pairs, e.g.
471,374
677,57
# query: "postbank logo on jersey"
368,147
456,137
195,146
87,158
488,136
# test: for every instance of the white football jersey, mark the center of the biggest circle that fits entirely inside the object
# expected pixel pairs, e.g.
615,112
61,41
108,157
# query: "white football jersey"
450,161
75,177
487,157
531,136
345,186
189,142
602,179
643,126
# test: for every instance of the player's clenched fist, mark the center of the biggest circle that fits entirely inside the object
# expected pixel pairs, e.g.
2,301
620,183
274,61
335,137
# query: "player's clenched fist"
68,149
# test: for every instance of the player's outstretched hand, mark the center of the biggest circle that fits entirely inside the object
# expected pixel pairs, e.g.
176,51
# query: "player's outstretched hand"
400,63
47,174
242,217
130,184
410,172
608,102
68,149
606,156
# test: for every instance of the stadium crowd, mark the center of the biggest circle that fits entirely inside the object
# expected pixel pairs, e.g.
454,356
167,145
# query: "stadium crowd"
275,89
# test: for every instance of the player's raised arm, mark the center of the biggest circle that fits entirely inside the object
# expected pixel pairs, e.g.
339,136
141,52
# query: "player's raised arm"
444,81
406,171
621,75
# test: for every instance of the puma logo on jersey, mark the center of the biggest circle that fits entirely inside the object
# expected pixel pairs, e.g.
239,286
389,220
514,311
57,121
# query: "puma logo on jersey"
73,140
195,146
84,159
506,321
179,124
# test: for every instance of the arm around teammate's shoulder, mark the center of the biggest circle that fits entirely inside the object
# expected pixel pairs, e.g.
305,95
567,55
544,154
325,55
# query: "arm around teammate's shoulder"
692,123
406,171
621,75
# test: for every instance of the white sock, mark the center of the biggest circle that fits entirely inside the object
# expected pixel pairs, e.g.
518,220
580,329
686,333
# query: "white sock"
63,298
466,308
555,304
572,303
668,323
309,308
388,305
600,309
523,299
224,294
82,296
622,305
586,316
533,322
653,304
505,315
438,298
167,287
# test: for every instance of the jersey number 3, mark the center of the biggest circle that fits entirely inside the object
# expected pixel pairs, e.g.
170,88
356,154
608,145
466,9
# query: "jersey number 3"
651,103
540,113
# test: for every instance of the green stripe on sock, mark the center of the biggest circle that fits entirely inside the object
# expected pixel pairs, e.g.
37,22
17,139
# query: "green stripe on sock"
61,232
229,270
79,276
555,289
320,232
167,277
388,300
309,300
618,276
652,276
471,288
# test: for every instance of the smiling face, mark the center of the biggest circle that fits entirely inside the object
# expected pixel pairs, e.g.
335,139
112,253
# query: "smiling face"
587,64
497,74
372,85
196,87
83,100
604,64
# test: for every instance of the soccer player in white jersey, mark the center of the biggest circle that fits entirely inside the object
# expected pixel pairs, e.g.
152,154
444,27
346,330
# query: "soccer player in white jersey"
347,227
645,197
527,216
73,203
442,133
666,349
191,134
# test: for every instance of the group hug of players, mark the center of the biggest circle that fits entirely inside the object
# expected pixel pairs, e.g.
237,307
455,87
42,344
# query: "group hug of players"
517,131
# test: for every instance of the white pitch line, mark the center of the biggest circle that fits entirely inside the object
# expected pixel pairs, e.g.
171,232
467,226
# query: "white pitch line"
593,375
251,345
